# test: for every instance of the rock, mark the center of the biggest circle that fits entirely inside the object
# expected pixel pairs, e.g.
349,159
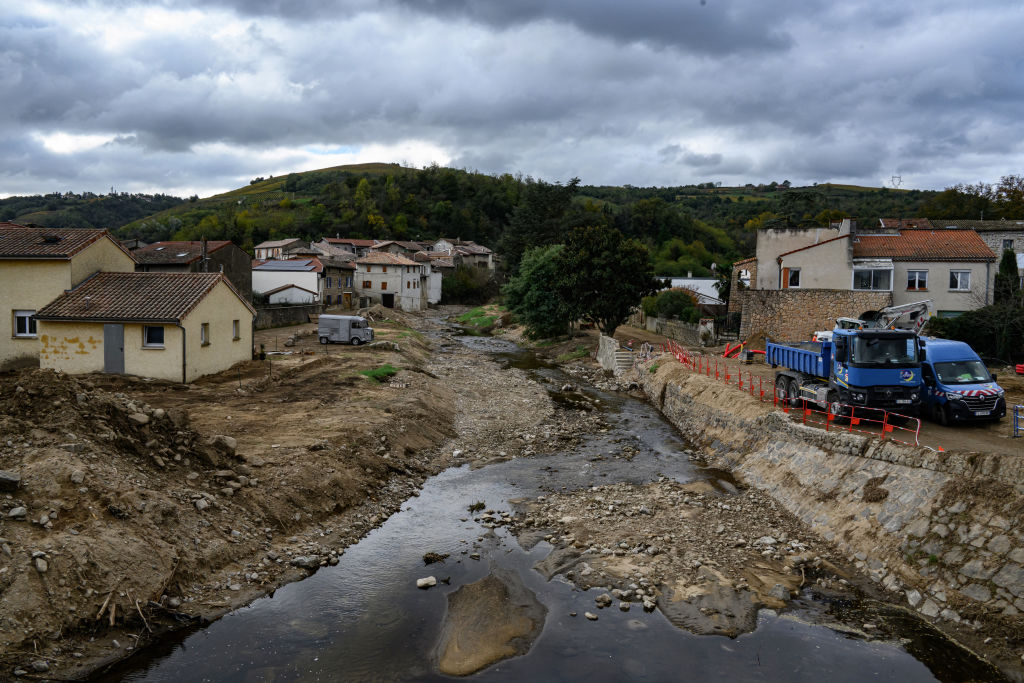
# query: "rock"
159,413
310,562
202,504
913,597
590,615
77,476
139,418
779,592
624,606
40,666
224,444
9,481
235,587
73,447
174,603
603,600
426,582
715,610
18,513
930,608
765,540
489,620
41,565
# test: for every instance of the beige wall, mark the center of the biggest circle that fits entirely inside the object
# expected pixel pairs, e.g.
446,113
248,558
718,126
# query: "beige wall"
76,348
27,285
944,299
101,255
823,267
772,242
219,308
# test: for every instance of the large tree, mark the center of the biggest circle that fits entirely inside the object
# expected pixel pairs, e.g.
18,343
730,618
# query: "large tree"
1007,285
532,294
604,275
538,220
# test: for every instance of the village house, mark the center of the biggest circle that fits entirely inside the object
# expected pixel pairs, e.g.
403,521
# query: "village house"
214,256
337,282
275,249
290,294
173,326
271,275
470,253
997,235
802,279
359,247
36,266
400,248
392,281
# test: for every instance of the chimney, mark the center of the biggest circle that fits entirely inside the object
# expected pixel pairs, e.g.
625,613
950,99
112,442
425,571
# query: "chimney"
689,273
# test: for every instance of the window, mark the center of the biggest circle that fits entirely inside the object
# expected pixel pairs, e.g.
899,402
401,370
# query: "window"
793,279
917,280
367,284
408,285
348,281
960,280
1008,244
383,269
153,336
329,283
327,299
24,324
236,330
383,285
204,334
872,279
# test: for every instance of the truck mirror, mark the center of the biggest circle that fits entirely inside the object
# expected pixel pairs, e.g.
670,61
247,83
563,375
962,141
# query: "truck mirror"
994,377
923,355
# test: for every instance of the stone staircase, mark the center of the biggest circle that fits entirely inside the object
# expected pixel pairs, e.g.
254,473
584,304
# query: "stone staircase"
623,361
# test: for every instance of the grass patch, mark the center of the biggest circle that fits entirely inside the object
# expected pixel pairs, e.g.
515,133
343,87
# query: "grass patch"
380,374
579,352
480,319
653,369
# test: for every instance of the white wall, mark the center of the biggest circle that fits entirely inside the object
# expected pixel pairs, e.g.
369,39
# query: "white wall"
292,295
265,280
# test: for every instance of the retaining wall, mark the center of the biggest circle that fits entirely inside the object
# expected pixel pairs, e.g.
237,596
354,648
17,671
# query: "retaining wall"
943,530
278,316
796,314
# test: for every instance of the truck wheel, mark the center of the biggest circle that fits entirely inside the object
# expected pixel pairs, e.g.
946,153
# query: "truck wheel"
356,341
836,409
941,415
323,340
781,390
794,392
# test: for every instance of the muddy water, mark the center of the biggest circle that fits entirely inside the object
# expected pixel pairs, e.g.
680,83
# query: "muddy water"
364,619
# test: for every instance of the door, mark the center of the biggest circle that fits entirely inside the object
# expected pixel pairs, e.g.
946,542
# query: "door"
113,349
347,297
388,300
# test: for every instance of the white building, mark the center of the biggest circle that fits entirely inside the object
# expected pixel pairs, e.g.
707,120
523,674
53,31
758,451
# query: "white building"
273,275
393,281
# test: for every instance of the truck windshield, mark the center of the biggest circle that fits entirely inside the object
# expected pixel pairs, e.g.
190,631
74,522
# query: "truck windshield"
962,372
882,351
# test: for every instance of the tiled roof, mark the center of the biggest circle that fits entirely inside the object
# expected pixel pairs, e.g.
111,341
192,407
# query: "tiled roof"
752,259
924,245
472,248
980,226
272,244
134,296
385,259
906,223
18,241
446,262
353,242
176,252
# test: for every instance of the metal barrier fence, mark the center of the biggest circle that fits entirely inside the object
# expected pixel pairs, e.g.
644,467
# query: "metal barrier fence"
846,419
1018,421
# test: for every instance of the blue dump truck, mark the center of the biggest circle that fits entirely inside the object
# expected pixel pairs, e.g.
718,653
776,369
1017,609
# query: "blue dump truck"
874,368
958,386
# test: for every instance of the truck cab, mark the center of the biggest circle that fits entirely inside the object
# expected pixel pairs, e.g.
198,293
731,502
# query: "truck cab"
344,329
877,368
958,386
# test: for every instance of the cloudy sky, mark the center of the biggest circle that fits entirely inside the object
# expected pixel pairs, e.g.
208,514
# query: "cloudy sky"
190,96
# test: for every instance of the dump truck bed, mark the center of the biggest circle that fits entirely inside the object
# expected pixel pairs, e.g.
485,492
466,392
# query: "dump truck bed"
809,358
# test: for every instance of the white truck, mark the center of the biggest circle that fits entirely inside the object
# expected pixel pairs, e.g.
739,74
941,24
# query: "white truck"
344,329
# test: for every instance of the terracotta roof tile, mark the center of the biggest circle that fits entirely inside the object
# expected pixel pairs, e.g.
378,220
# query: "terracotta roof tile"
19,241
924,245
981,226
353,242
133,296
271,244
906,223
386,259
176,252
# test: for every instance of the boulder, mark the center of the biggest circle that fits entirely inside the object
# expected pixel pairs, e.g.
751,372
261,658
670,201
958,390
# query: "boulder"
9,481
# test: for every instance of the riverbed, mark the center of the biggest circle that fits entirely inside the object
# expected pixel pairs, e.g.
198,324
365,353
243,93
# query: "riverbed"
365,619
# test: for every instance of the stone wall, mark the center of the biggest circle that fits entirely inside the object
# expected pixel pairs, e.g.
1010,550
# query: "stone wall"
795,314
606,348
278,316
943,532
735,287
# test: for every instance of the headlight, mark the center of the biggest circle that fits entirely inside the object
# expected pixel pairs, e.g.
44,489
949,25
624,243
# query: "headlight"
858,397
1000,392
914,396
953,396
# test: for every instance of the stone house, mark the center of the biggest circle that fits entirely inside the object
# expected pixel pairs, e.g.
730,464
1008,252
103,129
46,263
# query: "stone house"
337,282
998,235
214,256
275,249
804,278
36,266
359,247
173,326
392,281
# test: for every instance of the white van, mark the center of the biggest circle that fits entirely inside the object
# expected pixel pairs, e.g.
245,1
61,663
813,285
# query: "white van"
344,329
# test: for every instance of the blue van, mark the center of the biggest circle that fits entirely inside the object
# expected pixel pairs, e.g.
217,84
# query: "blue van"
957,385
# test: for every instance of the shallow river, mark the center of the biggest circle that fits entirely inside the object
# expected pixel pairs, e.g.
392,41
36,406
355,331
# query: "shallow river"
364,619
